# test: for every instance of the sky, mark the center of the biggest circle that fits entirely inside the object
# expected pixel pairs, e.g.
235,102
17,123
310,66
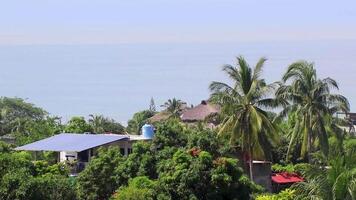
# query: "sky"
161,21
110,57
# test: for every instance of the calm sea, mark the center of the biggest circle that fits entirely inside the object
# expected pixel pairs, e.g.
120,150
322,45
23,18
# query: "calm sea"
118,80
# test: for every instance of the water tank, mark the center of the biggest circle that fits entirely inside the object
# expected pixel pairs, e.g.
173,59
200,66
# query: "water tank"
147,131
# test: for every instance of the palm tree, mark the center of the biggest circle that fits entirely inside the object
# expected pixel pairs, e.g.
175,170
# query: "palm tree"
135,124
152,107
335,182
174,107
242,109
311,100
97,122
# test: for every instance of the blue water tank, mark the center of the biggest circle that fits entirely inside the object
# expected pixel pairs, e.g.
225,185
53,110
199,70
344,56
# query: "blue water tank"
147,131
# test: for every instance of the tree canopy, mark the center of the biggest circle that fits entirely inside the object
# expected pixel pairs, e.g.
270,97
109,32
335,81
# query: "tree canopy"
139,119
15,113
101,124
312,101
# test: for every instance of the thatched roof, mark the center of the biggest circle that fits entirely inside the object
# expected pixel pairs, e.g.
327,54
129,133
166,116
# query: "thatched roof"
164,115
200,112
161,116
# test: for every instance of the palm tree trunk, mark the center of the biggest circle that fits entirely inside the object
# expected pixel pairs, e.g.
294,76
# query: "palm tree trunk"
250,162
309,147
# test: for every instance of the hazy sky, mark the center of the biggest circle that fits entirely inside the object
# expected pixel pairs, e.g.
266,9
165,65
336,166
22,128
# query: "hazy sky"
153,21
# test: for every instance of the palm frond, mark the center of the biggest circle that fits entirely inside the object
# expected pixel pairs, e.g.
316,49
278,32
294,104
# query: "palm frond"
258,68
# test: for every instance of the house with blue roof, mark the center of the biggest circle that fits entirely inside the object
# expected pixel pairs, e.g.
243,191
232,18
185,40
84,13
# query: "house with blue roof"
80,148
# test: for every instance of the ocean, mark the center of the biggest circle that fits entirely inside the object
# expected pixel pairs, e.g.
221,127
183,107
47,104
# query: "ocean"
119,80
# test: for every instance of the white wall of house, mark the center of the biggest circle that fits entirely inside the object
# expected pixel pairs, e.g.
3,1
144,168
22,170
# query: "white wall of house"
63,156
125,145
122,144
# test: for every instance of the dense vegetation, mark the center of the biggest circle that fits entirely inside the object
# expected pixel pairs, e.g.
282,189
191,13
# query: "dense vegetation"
195,162
180,163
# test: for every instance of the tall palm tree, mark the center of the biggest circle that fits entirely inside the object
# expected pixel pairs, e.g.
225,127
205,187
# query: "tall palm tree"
174,107
242,108
311,99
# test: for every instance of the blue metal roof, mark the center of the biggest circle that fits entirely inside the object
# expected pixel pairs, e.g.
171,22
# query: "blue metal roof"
72,142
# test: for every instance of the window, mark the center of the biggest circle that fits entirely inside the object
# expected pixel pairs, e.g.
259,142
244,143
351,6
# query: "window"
83,156
122,151
129,150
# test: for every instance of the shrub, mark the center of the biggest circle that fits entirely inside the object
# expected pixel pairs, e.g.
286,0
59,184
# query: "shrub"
52,187
140,163
5,147
170,134
205,140
15,185
287,194
15,161
280,168
98,180
139,188
301,167
188,176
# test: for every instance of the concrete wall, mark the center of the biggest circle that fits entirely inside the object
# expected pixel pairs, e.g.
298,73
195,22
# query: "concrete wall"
262,175
126,145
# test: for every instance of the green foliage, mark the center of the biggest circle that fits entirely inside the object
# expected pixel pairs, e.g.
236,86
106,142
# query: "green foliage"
199,176
101,124
141,162
50,156
162,158
10,162
25,121
77,125
142,182
39,129
206,140
43,168
300,168
310,99
170,134
244,119
98,180
15,113
350,145
280,168
133,193
175,170
279,152
139,188
287,194
135,124
15,185
22,185
290,168
52,187
174,107
335,182
25,180
4,147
